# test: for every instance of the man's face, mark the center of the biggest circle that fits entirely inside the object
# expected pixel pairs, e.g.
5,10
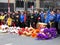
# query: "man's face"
58,11
52,12
22,12
13,13
16,12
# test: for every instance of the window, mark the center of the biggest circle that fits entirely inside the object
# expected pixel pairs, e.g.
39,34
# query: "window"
46,4
4,7
58,3
30,4
19,3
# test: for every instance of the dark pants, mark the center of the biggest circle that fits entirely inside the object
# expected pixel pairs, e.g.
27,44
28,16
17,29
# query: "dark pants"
22,24
27,23
0,22
56,25
17,24
59,27
35,24
48,25
32,24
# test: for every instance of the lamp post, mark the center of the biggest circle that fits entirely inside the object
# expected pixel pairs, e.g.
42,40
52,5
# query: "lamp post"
8,6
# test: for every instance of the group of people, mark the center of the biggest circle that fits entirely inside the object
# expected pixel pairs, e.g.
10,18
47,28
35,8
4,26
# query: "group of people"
27,19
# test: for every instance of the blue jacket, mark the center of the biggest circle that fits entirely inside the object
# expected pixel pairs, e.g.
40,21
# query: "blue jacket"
50,18
47,18
21,18
42,17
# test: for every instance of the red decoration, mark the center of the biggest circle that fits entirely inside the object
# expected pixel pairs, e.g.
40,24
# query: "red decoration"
19,32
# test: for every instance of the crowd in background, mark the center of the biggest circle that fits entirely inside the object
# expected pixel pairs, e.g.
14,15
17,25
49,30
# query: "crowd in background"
25,18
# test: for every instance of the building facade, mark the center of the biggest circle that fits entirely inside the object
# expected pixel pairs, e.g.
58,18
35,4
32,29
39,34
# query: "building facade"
17,5
4,5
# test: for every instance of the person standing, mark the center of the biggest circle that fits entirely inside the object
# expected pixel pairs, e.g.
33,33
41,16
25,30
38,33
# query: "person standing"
36,18
13,18
50,19
42,16
21,20
16,19
8,20
2,17
58,21
32,23
28,19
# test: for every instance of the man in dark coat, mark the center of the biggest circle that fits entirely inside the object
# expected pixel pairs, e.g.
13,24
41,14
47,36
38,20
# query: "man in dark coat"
16,19
28,19
32,20
58,21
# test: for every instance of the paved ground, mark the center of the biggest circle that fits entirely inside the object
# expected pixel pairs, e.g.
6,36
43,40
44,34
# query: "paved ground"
14,39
